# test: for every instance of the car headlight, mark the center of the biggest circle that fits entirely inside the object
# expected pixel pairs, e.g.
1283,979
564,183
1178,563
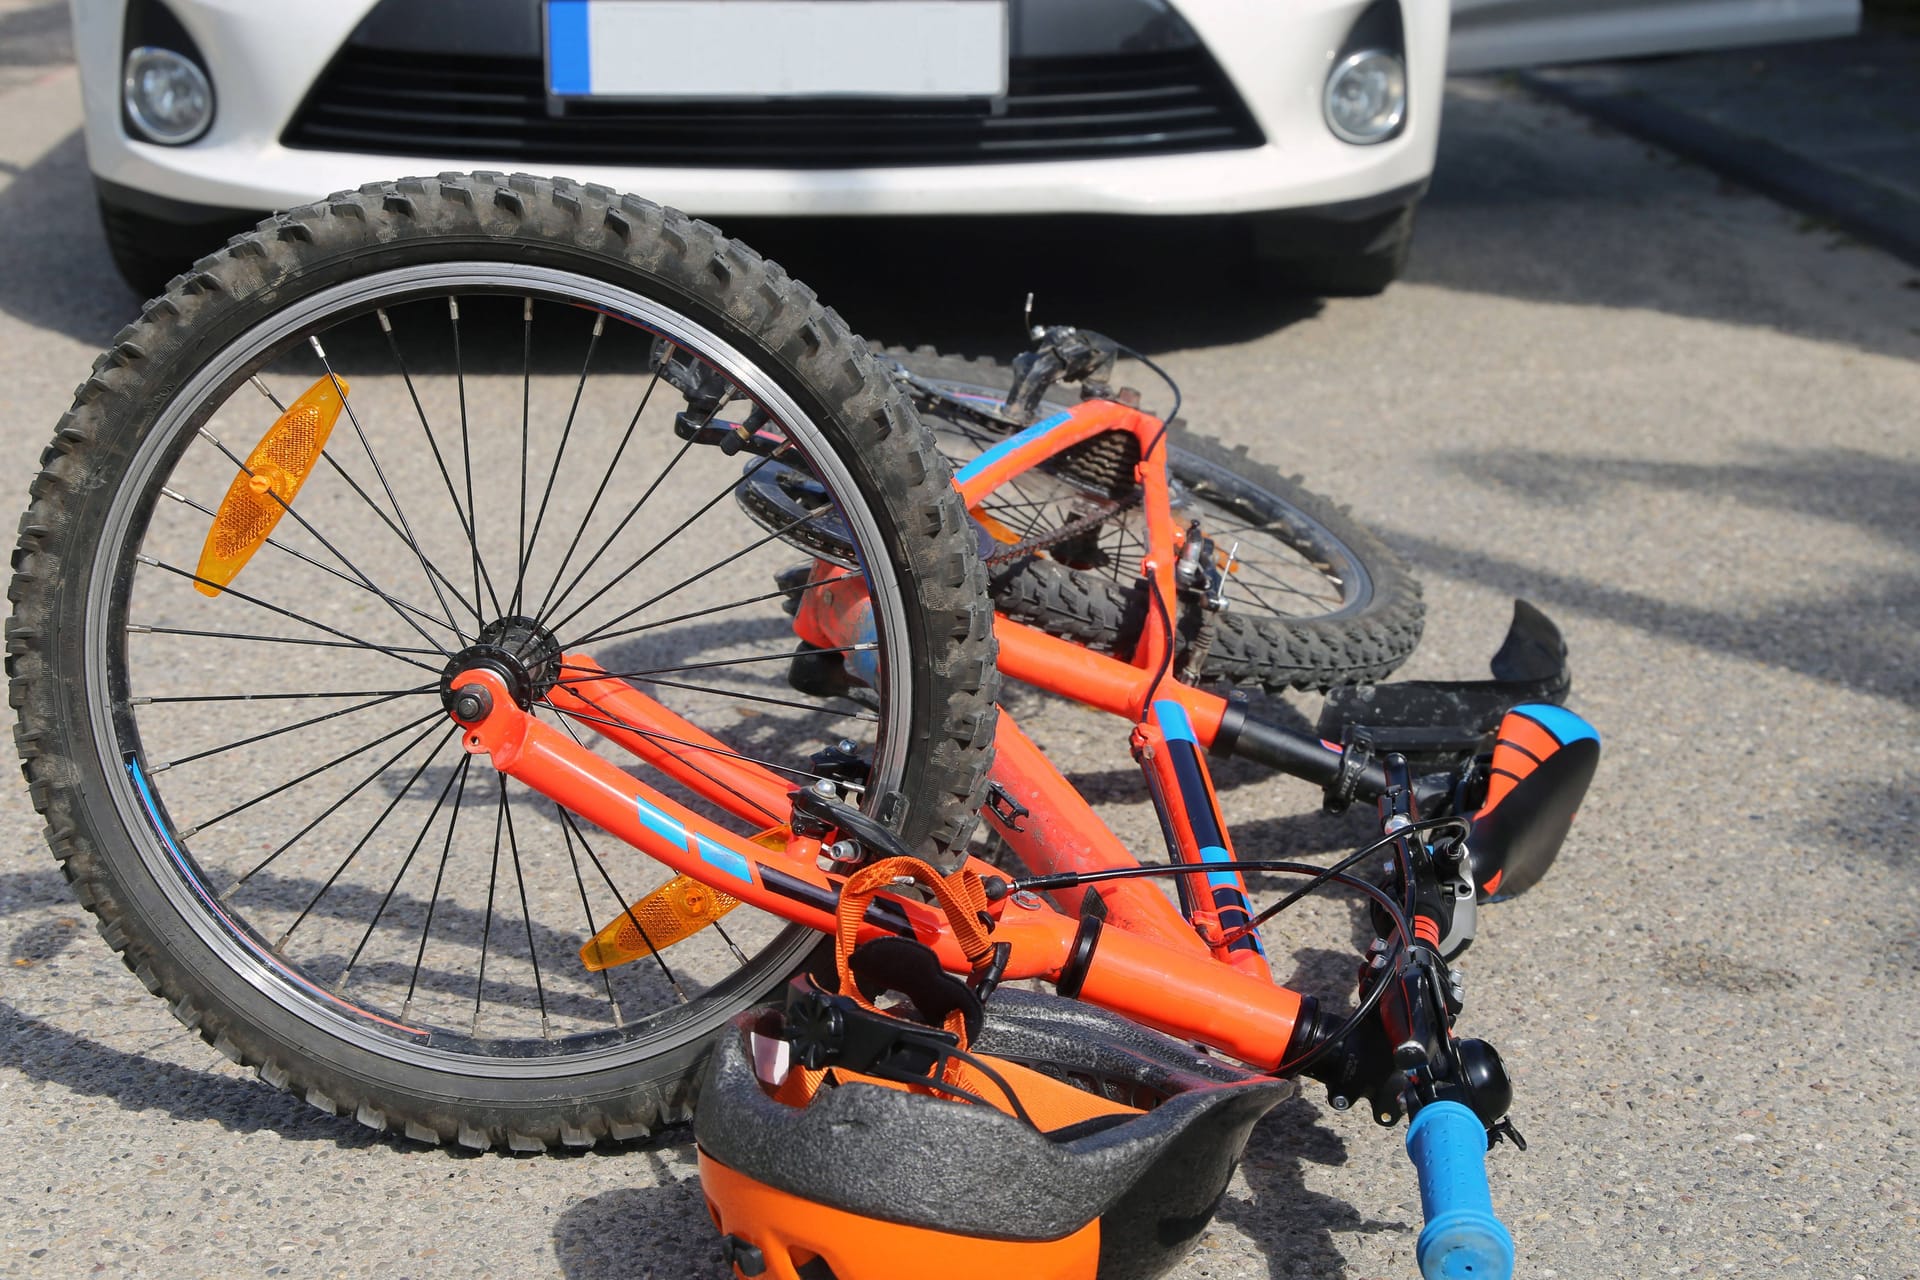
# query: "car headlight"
1367,97
168,96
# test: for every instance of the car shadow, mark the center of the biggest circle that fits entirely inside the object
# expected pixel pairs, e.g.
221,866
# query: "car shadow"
1535,202
58,276
957,284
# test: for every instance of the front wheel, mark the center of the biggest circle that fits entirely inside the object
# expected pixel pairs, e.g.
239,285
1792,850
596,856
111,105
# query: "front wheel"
418,426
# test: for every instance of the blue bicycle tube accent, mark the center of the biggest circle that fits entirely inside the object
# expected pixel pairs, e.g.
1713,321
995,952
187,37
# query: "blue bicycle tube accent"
1560,722
1007,446
1462,1240
1201,811
1173,721
717,855
711,852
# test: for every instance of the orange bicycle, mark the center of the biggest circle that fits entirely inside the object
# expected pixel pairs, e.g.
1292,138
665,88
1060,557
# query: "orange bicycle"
443,753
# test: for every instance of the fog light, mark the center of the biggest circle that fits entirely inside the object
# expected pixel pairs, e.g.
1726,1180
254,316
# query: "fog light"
168,97
1367,97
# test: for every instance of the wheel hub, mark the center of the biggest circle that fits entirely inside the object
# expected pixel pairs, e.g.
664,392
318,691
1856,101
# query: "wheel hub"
519,650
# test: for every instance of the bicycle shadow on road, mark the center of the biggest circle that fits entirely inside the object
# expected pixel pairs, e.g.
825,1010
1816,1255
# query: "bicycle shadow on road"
1291,1224
1852,630
660,1232
133,1081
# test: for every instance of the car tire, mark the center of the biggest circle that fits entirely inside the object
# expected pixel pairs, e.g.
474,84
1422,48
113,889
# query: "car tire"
149,252
1359,260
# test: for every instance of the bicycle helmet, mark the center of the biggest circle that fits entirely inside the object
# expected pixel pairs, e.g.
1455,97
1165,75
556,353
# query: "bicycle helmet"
1041,1138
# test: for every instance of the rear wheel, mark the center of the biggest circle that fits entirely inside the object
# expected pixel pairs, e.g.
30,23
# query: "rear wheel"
1314,598
253,782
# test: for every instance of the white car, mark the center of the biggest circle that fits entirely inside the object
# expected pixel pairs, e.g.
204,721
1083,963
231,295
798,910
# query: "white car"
1317,117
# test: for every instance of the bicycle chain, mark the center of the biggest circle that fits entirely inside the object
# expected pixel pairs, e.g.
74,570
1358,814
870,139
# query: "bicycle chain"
1066,532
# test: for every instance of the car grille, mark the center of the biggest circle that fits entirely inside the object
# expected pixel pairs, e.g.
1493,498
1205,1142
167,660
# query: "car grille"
496,109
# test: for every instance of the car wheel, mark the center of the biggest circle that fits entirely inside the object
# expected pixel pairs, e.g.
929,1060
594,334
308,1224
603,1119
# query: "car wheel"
148,251
1343,260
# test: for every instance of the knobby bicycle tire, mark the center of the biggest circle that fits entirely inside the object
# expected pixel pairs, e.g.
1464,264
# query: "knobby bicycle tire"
1272,635
91,572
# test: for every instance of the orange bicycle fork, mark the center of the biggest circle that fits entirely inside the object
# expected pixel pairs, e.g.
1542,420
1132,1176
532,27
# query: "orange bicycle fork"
1181,990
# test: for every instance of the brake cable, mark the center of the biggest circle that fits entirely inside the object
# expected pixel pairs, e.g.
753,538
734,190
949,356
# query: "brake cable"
1395,956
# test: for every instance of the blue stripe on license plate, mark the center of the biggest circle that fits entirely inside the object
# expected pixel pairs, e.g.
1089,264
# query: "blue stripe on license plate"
569,69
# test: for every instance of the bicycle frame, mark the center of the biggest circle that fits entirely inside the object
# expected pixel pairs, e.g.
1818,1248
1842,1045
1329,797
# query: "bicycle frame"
1128,949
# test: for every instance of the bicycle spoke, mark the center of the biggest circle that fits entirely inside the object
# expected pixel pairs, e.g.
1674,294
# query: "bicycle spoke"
302,556
287,728
331,809
594,505
618,529
277,697
566,433
362,842
727,938
526,918
612,721
466,457
353,484
620,897
312,773
446,849
586,906
486,928
605,636
465,517
686,582
526,431
677,530
413,542
285,613
594,673
731,790
425,827
134,628
812,708
304,523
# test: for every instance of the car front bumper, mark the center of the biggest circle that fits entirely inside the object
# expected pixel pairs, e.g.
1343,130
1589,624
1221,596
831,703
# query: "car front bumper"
262,70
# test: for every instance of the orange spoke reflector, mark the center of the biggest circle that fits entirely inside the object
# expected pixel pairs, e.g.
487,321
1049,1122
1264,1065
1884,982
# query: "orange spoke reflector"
675,911
261,493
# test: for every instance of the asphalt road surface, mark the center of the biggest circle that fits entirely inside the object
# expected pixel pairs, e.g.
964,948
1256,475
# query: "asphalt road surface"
1666,411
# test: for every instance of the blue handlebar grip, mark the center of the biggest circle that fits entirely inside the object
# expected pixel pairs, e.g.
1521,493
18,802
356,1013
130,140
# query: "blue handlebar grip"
1462,1239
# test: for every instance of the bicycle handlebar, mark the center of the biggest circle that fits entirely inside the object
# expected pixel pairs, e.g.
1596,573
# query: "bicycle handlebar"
1462,1240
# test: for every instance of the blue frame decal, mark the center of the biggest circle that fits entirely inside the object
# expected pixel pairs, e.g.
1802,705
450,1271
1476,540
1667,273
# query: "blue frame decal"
1008,445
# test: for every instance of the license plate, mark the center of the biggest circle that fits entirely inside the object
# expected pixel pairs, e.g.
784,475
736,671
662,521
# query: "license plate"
694,49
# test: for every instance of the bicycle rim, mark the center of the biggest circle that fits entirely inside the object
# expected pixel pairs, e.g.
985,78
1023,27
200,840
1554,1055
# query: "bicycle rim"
278,754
